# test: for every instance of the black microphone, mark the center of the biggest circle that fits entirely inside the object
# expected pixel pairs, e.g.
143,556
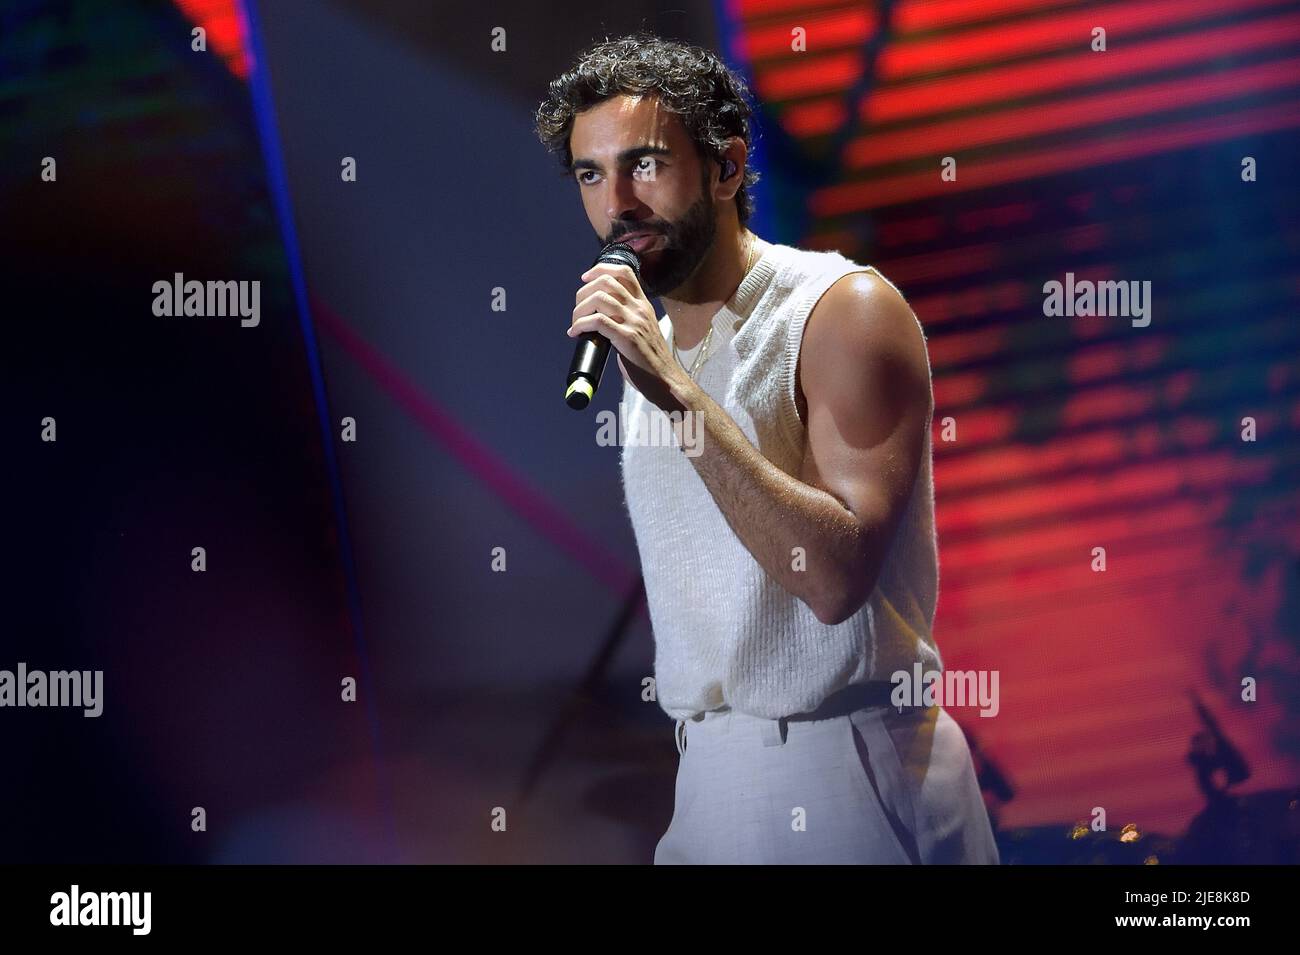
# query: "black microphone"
593,348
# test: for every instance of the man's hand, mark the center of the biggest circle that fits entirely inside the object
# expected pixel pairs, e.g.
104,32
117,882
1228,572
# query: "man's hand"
612,303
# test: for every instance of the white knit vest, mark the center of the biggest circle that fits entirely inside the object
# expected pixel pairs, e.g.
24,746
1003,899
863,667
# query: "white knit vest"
726,634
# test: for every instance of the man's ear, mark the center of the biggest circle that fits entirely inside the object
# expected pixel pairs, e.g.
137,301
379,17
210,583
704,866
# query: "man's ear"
731,163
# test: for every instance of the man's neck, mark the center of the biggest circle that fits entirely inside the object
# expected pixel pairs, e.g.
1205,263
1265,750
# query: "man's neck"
692,306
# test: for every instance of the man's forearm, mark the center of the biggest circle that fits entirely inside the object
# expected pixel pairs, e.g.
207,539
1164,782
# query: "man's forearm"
772,513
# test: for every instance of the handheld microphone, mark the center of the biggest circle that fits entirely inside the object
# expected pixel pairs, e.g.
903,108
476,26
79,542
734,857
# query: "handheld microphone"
592,350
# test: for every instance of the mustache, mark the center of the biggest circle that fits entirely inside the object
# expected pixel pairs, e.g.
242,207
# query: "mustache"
636,230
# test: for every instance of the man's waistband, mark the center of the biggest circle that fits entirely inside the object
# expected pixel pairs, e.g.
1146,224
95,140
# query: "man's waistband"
858,696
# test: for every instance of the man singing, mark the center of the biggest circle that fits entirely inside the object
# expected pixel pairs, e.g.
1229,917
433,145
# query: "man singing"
790,561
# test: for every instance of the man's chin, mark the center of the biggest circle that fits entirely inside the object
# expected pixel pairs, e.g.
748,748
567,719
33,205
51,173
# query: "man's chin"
651,283
657,280
654,289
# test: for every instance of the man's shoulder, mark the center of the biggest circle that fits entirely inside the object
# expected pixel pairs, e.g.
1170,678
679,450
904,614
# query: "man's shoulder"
811,263
827,281
850,305
863,317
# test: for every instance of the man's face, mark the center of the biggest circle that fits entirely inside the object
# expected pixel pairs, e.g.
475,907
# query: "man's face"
639,173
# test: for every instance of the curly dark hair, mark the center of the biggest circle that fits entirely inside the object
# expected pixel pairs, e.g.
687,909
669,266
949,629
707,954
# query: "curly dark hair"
692,82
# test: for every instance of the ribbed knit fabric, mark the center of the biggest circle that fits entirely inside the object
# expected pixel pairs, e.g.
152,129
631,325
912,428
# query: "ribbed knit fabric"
726,634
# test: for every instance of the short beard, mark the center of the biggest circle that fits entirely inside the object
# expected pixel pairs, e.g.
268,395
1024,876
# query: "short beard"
686,243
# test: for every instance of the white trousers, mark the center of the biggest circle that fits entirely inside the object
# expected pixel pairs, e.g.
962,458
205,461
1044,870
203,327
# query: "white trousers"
871,787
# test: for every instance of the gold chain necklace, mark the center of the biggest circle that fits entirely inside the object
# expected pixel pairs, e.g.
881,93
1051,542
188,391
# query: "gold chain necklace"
704,346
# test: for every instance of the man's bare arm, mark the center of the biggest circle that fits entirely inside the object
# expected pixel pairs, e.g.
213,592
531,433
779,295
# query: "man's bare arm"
865,377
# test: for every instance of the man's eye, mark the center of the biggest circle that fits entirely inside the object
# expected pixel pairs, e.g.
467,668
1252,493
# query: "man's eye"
647,171
584,173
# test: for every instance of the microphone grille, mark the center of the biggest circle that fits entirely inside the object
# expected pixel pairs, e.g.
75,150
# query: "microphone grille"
620,253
